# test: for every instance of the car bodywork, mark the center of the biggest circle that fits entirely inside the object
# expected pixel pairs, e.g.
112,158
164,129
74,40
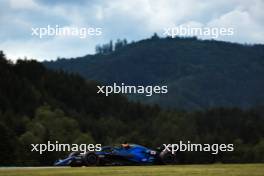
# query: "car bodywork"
118,155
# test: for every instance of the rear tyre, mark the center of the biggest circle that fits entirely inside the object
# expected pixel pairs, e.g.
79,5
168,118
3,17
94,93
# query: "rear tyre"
167,157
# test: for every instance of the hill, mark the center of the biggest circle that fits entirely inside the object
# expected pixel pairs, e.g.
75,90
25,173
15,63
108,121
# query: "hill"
38,105
199,74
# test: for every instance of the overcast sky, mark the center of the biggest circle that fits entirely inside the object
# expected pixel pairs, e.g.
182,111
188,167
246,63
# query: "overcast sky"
131,19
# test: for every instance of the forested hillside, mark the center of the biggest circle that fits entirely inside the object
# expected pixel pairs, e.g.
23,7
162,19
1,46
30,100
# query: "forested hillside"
38,104
200,74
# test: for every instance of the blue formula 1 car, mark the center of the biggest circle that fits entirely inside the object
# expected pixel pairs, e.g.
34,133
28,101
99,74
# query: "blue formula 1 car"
130,154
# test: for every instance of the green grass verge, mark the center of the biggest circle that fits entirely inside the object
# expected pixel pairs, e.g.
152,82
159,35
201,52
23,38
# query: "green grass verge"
178,170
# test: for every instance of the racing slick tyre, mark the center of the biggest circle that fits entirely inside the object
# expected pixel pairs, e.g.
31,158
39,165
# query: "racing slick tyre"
74,163
91,159
167,157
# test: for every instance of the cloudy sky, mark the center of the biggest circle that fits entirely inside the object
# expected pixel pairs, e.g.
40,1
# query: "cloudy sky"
131,19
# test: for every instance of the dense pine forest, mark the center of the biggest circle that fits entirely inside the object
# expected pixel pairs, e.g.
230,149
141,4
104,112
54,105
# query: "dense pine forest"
200,74
38,104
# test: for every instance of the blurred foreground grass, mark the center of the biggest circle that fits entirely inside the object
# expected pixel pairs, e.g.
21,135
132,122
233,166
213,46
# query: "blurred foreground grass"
178,170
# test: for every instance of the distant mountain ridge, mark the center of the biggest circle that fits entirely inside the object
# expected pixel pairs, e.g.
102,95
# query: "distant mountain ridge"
199,73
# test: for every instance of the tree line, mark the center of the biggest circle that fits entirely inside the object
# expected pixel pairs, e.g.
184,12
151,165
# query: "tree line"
110,47
38,104
200,74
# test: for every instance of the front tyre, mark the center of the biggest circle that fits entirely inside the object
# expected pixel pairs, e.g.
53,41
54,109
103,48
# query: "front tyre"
75,164
75,161
91,159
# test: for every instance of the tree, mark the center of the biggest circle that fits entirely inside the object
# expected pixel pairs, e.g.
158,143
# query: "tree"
120,44
105,48
155,36
7,145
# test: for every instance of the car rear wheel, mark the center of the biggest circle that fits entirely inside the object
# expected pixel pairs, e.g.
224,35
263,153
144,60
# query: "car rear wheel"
167,157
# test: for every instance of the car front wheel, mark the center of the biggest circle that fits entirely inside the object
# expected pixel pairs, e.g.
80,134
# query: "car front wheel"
91,159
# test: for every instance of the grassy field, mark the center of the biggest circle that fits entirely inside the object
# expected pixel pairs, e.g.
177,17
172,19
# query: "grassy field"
178,170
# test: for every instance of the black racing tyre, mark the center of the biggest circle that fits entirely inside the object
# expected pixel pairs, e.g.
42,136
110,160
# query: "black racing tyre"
167,157
74,164
91,159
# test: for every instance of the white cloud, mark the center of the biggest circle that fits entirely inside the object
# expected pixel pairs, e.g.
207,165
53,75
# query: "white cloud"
134,20
47,49
23,4
247,29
